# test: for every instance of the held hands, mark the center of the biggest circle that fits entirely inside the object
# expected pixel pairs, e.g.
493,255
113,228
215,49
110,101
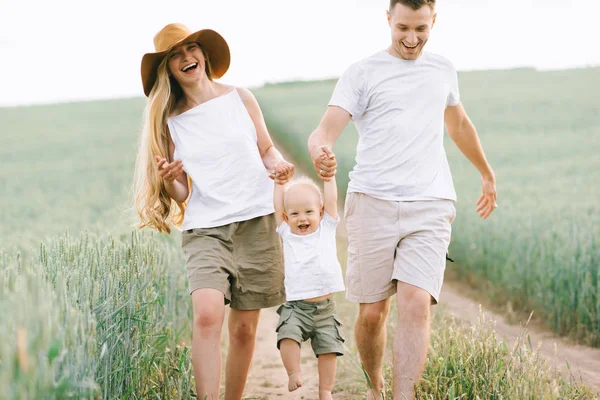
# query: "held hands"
282,173
169,171
324,162
487,201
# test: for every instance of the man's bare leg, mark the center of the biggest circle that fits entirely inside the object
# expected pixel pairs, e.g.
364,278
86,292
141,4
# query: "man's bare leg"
242,339
370,331
412,339
209,313
290,355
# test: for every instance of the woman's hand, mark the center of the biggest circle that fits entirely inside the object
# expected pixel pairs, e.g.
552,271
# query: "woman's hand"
169,171
283,172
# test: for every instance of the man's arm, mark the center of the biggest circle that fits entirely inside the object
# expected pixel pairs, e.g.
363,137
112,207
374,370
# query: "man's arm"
463,133
326,134
278,203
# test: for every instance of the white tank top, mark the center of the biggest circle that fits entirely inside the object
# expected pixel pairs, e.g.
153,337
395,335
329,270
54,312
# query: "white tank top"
217,143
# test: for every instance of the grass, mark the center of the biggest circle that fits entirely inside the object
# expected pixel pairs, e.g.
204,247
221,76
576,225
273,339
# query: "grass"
464,361
104,318
97,318
66,167
541,133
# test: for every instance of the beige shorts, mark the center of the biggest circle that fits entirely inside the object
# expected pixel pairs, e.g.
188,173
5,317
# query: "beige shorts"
244,260
302,320
391,241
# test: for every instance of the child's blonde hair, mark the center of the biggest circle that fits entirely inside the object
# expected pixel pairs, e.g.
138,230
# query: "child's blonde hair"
305,181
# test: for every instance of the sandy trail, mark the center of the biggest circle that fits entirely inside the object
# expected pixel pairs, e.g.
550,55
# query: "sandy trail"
267,378
584,361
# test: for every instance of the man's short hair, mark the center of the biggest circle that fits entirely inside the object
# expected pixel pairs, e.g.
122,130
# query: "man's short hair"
414,4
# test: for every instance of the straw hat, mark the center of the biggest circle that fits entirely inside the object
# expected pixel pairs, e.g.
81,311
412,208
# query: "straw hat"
174,34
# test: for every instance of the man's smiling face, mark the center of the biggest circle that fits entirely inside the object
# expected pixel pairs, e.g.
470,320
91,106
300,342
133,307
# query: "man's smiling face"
410,30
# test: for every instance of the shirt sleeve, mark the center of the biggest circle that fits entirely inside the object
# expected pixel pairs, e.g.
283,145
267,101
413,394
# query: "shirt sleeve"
453,98
283,229
349,92
329,221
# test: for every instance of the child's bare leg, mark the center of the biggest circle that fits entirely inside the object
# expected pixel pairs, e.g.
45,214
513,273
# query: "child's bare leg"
290,355
327,367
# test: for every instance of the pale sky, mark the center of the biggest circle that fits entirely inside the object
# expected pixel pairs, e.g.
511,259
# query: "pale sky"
64,50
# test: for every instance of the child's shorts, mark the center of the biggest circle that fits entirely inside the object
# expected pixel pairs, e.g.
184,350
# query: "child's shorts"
302,320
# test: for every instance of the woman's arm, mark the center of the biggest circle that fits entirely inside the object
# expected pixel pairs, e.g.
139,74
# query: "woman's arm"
271,157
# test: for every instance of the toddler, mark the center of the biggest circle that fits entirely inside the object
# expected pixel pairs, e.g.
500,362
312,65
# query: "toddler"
306,222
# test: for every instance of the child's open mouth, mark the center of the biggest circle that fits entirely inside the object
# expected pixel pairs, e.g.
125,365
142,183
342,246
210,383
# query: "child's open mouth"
303,227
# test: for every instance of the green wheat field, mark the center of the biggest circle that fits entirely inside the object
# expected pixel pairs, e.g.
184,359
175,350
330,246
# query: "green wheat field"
93,309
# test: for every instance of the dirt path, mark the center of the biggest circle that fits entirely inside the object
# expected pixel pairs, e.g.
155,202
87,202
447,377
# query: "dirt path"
584,361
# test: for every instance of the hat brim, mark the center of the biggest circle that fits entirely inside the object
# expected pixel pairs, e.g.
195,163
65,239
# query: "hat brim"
214,44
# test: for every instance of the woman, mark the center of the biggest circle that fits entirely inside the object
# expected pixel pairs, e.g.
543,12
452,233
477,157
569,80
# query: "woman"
204,159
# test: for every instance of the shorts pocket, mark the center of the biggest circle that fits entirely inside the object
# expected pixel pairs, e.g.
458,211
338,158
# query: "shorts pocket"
338,329
349,204
284,315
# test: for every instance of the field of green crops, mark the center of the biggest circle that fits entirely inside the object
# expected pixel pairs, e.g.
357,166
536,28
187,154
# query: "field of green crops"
541,133
66,167
92,309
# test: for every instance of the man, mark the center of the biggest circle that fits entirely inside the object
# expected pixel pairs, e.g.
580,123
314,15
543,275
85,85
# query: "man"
400,200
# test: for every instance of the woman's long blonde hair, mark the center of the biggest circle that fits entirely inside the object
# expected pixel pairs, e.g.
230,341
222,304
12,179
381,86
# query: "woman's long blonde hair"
152,202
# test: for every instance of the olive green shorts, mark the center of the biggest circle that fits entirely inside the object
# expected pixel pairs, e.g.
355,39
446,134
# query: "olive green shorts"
302,320
244,260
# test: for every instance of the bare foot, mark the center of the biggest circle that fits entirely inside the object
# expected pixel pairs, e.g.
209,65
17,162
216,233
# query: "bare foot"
295,381
373,395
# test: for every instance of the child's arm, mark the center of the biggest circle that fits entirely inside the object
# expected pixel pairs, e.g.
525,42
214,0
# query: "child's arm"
278,203
331,198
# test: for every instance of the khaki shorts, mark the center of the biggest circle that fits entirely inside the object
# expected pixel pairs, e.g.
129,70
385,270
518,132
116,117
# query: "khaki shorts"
244,260
302,320
391,241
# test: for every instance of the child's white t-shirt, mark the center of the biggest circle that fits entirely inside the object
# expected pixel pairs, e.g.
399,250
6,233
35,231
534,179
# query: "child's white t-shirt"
312,268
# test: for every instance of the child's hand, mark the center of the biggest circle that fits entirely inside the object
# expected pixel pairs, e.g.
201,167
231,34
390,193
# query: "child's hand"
282,173
169,171
327,163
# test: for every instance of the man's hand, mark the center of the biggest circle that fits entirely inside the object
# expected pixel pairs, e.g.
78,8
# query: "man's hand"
487,201
324,162
169,171
283,172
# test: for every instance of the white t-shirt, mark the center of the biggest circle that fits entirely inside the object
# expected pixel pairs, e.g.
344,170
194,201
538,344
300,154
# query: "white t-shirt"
398,108
312,268
217,143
